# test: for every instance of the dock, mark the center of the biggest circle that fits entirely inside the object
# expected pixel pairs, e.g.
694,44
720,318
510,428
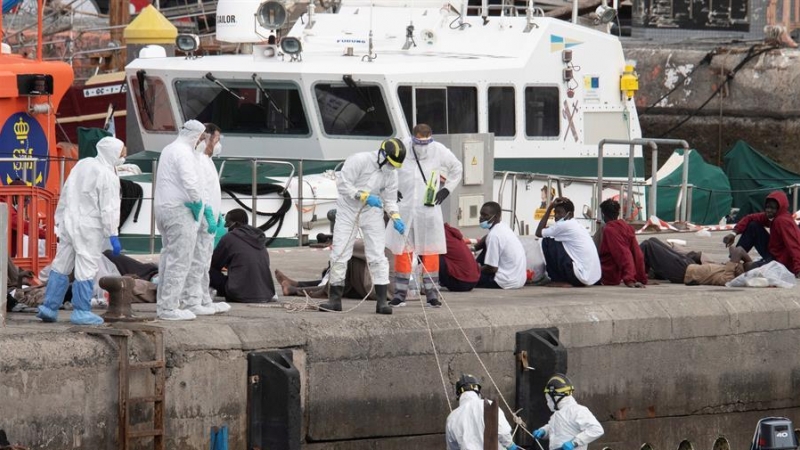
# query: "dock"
659,365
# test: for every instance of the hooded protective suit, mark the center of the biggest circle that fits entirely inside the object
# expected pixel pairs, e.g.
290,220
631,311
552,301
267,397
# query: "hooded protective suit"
424,224
784,235
86,217
198,280
177,183
360,172
572,422
465,425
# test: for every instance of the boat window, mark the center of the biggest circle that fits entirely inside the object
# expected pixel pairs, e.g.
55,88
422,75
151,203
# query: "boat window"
541,112
357,110
502,111
148,94
447,110
275,109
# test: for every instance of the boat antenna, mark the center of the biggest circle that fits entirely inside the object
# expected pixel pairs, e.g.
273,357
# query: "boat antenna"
370,56
410,29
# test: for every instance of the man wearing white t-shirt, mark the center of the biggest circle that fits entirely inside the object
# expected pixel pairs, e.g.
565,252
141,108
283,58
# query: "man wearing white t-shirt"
569,252
502,260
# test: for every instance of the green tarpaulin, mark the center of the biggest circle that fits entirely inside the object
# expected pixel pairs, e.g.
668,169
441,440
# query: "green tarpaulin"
711,198
753,176
87,141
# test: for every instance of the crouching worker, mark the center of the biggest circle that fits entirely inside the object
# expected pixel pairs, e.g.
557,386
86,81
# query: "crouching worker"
367,186
572,426
465,424
87,218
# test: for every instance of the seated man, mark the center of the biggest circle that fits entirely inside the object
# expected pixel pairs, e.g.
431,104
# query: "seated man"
621,259
243,252
502,256
458,270
669,264
780,243
570,254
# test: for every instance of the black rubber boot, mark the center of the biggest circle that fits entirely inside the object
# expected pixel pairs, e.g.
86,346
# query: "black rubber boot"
334,299
382,305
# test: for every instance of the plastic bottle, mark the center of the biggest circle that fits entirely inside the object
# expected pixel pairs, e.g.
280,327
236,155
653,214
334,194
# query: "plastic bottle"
413,283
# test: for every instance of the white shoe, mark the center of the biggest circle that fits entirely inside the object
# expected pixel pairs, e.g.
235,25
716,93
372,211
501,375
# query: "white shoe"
221,307
202,310
176,314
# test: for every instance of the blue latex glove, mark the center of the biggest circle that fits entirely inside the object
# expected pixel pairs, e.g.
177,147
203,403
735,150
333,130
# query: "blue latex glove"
210,220
538,434
116,246
374,201
568,446
196,208
513,446
399,225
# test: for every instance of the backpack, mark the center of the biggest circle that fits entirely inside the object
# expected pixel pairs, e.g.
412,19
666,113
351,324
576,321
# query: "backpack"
130,194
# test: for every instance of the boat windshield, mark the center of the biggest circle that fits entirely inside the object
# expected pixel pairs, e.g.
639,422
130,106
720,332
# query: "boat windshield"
355,110
275,108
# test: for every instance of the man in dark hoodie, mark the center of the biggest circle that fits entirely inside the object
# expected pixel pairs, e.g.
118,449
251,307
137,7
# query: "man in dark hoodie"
781,243
243,252
621,259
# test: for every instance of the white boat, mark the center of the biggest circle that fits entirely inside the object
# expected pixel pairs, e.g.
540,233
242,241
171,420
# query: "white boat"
340,82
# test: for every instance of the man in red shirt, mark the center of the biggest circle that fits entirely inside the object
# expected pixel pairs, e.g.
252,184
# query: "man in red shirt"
781,243
621,259
458,270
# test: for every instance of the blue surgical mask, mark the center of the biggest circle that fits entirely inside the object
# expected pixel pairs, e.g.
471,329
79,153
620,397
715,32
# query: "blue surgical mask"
486,225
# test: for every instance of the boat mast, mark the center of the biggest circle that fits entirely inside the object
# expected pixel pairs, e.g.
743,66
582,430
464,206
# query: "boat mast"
118,18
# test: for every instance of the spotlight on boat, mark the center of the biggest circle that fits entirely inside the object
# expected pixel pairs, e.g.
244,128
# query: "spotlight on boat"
605,14
271,15
188,43
291,46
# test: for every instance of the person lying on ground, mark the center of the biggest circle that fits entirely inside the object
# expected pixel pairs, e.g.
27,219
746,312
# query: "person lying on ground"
458,270
502,257
781,243
357,282
666,263
244,253
570,254
621,259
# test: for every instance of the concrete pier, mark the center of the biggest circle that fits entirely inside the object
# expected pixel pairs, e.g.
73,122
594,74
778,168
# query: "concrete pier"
656,365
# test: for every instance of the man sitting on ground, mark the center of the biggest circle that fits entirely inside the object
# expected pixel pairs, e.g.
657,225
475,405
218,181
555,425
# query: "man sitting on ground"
621,259
458,271
668,264
502,258
570,254
243,252
781,243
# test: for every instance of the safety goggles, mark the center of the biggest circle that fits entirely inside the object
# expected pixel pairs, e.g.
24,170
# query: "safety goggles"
422,141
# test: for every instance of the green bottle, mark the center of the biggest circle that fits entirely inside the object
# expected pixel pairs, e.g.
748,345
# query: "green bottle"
430,190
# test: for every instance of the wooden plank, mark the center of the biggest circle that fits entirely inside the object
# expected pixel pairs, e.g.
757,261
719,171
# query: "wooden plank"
124,392
490,422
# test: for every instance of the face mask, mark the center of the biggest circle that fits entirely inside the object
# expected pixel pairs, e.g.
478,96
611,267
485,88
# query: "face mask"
120,161
217,149
550,404
486,225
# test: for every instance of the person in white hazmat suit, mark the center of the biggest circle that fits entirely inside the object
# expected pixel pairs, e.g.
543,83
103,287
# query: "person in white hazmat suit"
465,426
87,220
428,161
178,208
198,298
572,426
367,186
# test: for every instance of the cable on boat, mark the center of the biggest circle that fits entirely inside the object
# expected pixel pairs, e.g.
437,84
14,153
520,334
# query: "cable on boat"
276,217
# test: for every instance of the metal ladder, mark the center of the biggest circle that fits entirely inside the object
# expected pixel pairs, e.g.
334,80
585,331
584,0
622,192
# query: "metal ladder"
121,333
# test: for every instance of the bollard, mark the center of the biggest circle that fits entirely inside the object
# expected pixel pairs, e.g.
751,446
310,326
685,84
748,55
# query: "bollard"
120,297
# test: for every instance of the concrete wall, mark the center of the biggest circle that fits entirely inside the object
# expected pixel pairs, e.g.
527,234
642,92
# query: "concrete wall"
697,363
759,105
